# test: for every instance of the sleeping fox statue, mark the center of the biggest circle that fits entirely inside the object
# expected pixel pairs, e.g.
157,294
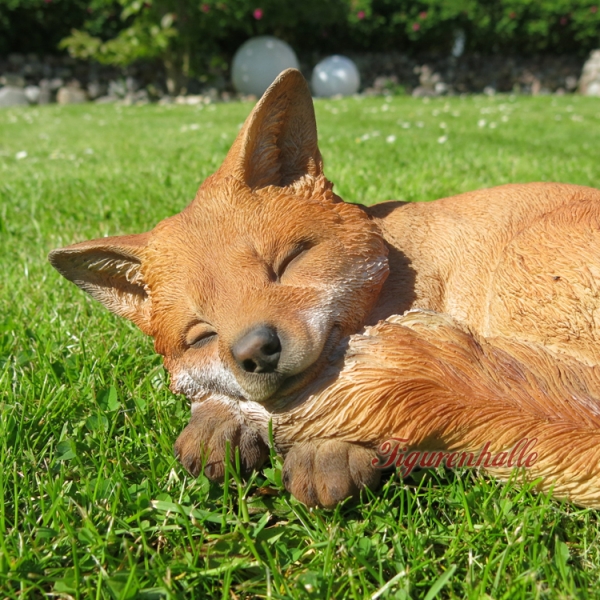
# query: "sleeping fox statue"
272,300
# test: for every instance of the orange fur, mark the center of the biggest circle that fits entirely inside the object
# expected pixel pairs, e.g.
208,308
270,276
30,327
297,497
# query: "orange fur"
424,378
251,292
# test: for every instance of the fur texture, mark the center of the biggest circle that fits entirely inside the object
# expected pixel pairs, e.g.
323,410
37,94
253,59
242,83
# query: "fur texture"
267,249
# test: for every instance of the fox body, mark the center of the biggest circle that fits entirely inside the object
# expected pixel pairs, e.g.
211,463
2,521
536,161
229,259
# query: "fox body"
251,294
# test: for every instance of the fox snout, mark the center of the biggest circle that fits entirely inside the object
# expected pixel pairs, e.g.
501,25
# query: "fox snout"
258,351
248,290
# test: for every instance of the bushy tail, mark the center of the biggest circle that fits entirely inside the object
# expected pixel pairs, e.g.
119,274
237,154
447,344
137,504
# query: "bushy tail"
423,378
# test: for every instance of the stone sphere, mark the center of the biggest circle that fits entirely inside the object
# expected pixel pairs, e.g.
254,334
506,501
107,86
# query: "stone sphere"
257,63
335,75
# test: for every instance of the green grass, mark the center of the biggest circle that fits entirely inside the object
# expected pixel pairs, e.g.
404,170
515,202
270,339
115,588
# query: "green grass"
92,502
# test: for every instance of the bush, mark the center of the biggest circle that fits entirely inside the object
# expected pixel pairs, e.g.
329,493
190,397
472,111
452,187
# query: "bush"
39,25
192,38
489,26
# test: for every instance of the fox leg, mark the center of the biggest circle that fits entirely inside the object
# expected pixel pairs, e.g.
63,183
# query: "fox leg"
203,441
325,472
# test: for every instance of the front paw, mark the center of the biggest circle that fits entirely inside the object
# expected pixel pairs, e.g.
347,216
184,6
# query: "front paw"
203,441
325,472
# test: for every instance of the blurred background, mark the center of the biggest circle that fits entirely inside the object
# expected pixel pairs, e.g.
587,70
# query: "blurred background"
140,51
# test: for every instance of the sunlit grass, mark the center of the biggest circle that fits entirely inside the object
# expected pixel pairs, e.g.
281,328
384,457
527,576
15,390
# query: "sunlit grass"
92,502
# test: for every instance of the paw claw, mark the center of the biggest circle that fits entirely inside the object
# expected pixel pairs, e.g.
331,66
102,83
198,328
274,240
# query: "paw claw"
204,441
326,472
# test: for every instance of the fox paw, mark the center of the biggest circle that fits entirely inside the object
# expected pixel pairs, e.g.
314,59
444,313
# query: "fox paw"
325,472
203,441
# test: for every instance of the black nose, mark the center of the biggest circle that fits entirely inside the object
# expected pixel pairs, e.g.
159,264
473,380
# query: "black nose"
258,351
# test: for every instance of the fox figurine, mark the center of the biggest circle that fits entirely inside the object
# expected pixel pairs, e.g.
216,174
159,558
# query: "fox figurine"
272,300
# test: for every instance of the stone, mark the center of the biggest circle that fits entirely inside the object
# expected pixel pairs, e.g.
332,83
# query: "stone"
71,95
32,93
422,92
12,80
136,98
116,88
589,82
56,83
132,85
12,96
570,83
95,89
429,83
106,99
190,99
45,96
593,89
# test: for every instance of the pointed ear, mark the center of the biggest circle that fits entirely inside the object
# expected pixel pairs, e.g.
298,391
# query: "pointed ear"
278,143
109,269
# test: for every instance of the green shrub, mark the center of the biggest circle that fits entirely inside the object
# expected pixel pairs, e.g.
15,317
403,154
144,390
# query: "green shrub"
490,26
194,37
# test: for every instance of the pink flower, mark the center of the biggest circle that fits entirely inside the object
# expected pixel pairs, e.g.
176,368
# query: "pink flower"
423,15
258,14
564,21
205,8
361,15
594,9
416,27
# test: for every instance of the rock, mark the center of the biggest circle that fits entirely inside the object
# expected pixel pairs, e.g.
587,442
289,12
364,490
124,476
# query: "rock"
117,88
95,89
191,100
440,88
45,96
589,82
593,89
32,93
422,92
12,80
106,99
136,98
132,85
570,83
384,85
12,96
212,93
430,83
71,95
56,83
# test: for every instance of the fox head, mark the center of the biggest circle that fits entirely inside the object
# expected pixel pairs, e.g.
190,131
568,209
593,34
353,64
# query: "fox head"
248,290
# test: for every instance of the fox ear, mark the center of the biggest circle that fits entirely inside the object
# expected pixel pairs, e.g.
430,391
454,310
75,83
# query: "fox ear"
278,142
109,269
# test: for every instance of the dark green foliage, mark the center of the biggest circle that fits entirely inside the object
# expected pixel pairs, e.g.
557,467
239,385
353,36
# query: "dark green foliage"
195,34
490,26
39,25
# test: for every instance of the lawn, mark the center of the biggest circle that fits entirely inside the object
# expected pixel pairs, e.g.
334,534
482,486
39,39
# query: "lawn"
93,503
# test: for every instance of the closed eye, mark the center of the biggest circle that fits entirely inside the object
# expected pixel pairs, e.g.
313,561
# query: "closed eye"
199,335
291,258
